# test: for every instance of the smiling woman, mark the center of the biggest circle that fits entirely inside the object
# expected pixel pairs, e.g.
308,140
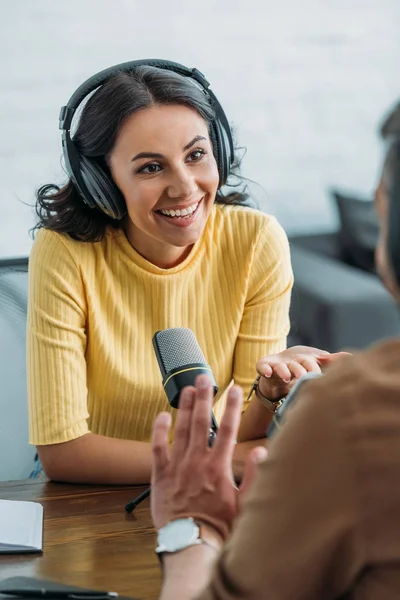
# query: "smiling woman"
141,238
170,193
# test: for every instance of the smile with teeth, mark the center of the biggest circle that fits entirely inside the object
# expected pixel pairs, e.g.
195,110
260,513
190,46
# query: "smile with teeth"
184,213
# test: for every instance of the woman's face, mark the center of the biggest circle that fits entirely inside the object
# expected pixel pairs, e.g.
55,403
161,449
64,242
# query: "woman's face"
164,165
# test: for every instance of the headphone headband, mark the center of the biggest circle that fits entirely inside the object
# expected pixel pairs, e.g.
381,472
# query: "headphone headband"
67,112
95,187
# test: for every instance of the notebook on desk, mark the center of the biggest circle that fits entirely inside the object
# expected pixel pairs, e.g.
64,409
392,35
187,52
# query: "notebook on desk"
21,526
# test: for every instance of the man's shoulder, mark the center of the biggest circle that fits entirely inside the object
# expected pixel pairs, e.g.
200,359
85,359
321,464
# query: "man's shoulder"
381,358
384,355
364,378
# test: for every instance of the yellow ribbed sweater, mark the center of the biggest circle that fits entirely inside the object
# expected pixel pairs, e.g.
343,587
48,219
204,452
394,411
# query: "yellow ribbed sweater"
94,307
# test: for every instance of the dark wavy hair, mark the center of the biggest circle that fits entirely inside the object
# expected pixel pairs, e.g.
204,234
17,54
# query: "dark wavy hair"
61,208
390,126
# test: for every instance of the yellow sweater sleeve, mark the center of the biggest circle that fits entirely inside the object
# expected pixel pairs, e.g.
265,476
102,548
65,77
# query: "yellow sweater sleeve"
56,342
265,322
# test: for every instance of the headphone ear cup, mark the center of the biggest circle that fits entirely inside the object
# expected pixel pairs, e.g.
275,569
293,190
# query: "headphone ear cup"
222,147
102,190
214,141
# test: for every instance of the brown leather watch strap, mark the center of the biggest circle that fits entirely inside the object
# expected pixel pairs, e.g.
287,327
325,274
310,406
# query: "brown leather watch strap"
272,405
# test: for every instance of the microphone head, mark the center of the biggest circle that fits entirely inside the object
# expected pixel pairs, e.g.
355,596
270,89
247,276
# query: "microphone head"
180,360
176,347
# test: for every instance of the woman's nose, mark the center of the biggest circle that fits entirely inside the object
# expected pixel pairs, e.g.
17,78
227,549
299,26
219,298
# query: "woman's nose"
182,184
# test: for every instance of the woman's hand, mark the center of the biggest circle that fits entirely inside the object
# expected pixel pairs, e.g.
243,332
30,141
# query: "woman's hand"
280,371
192,479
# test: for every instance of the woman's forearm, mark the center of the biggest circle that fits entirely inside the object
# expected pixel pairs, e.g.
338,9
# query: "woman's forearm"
103,460
97,459
254,422
240,454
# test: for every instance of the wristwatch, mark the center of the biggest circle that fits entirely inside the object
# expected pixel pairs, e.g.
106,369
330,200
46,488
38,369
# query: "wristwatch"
272,405
182,533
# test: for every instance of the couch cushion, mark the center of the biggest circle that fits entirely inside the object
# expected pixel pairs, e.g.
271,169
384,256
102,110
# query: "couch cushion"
359,230
328,244
336,306
16,455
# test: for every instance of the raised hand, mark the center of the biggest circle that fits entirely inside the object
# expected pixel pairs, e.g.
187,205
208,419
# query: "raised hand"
192,479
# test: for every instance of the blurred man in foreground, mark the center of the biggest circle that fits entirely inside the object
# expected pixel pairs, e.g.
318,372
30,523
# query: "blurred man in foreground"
322,518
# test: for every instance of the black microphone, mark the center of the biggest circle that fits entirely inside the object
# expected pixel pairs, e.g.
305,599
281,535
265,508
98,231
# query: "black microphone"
291,398
180,360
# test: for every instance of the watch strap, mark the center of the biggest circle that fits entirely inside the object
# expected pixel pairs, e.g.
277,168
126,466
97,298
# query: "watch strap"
272,405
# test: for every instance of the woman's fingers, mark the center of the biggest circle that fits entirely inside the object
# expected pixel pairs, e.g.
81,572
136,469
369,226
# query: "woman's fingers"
334,356
182,426
297,369
229,426
161,428
295,362
282,371
266,370
265,366
310,365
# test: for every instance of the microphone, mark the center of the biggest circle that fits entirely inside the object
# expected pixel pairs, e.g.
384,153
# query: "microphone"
180,361
290,399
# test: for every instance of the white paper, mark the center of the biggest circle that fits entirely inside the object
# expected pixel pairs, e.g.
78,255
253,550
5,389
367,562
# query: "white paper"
21,526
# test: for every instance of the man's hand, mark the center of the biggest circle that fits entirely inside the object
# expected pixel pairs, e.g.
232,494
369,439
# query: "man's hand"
192,479
280,371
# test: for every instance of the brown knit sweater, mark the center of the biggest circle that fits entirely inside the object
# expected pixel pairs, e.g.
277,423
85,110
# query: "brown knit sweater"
323,518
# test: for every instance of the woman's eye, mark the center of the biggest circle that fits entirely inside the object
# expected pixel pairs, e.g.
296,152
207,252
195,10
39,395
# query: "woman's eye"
197,155
150,169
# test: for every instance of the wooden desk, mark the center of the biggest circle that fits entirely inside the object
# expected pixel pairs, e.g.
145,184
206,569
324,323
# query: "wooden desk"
89,539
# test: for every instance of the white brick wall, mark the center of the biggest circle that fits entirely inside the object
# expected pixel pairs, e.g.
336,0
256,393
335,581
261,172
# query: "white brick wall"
305,83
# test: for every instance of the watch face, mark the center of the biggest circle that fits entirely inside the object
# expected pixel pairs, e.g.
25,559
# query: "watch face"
178,534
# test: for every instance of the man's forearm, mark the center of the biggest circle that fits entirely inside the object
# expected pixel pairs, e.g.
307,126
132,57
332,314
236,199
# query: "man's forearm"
98,459
188,572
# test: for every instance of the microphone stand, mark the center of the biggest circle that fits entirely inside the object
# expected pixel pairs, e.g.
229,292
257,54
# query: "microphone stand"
130,507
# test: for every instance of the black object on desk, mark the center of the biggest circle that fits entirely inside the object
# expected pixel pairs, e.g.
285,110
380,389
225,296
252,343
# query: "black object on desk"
130,507
22,588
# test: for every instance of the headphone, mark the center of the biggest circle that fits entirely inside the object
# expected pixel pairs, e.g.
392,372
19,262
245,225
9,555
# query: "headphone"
94,184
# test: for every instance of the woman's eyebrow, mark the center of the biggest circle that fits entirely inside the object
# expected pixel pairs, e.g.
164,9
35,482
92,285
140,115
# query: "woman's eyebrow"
194,140
158,155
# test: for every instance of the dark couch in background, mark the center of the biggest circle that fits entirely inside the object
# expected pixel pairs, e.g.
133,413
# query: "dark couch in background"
338,301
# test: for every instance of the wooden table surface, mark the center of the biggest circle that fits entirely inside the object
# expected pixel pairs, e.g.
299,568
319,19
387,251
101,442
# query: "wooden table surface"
89,539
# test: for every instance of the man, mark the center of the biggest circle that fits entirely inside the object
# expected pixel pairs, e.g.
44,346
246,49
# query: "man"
322,518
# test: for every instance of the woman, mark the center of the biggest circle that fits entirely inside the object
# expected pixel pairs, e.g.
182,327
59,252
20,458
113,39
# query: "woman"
140,239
